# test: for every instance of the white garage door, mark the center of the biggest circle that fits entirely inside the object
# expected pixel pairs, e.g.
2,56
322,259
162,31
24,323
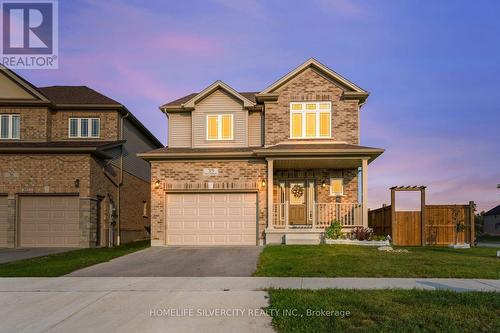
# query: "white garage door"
211,219
4,213
49,221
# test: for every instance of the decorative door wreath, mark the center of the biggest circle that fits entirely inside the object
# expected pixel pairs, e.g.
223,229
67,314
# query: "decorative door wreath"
297,190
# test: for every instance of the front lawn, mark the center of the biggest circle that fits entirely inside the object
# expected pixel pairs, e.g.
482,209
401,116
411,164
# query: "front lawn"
63,263
360,261
383,311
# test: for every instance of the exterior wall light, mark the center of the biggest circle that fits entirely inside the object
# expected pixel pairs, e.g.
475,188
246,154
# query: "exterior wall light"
323,184
263,183
77,183
157,184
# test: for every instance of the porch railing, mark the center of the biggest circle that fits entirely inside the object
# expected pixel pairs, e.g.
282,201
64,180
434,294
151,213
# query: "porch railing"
348,214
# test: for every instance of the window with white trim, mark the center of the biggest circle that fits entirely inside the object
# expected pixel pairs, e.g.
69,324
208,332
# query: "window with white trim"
10,126
84,127
219,127
310,120
336,186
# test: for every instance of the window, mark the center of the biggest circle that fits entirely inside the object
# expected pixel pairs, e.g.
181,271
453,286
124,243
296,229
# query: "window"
310,120
336,186
84,127
10,126
220,127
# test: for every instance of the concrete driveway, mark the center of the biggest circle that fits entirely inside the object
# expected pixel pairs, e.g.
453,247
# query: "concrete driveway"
180,261
7,255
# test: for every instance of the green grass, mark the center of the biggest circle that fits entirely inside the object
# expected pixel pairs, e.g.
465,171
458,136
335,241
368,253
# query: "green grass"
360,261
67,262
385,311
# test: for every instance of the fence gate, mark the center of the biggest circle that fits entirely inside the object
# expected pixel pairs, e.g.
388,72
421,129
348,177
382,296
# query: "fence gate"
432,225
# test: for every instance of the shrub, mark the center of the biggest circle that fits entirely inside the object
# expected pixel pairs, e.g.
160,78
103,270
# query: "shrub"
362,234
334,230
378,238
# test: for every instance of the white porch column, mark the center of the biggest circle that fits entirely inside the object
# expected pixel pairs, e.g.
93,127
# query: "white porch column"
270,193
364,193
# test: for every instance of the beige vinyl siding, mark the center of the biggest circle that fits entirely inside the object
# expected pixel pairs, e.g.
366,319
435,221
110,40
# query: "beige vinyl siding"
219,103
255,129
179,130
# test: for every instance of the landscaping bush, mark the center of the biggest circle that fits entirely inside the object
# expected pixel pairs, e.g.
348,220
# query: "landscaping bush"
362,234
334,230
378,238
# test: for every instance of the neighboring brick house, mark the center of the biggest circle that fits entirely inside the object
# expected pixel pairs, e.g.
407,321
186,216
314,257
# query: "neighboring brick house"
69,174
262,167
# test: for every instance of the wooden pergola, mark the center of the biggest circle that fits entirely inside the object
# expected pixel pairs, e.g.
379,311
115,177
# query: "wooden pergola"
414,188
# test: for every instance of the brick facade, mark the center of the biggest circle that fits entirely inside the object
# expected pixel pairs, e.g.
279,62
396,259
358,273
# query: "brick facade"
311,86
108,121
350,177
191,172
34,122
56,174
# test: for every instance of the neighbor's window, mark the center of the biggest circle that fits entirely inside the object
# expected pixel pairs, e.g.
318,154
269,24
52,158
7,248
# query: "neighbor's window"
336,186
9,126
144,209
310,120
220,127
84,127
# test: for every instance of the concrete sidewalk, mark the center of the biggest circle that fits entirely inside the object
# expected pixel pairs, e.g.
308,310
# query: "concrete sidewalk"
193,284
169,304
8,254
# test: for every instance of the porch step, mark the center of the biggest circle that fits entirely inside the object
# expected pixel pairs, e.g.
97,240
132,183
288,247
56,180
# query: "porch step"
302,238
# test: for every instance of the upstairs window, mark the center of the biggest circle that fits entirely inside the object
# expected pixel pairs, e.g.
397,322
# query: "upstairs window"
220,127
84,127
10,126
310,120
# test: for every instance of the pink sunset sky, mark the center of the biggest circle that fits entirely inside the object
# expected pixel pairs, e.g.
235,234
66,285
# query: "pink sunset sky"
432,68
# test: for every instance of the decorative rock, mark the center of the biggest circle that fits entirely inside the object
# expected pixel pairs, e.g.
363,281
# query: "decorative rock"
386,248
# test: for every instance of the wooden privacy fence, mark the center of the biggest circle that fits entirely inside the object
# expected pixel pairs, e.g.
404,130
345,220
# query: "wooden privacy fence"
432,225
439,227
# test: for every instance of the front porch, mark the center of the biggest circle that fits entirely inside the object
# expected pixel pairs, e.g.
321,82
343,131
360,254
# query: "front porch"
305,195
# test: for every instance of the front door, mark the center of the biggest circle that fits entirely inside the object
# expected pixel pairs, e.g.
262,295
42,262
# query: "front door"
297,203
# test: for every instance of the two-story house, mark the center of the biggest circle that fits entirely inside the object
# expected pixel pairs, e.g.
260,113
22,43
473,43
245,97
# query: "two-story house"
69,174
273,166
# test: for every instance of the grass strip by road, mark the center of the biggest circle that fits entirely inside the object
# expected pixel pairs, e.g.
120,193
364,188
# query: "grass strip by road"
383,311
64,263
361,261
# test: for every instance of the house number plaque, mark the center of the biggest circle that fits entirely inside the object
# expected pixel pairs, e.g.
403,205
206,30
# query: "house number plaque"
210,172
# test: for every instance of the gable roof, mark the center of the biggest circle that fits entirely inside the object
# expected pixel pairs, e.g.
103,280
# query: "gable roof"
76,95
188,101
313,63
26,85
493,211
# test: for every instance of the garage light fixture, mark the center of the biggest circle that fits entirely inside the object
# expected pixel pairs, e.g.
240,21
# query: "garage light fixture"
157,184
263,183
77,183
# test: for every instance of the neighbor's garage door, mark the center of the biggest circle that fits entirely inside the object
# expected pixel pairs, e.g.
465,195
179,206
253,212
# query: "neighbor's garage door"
49,221
3,221
211,219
